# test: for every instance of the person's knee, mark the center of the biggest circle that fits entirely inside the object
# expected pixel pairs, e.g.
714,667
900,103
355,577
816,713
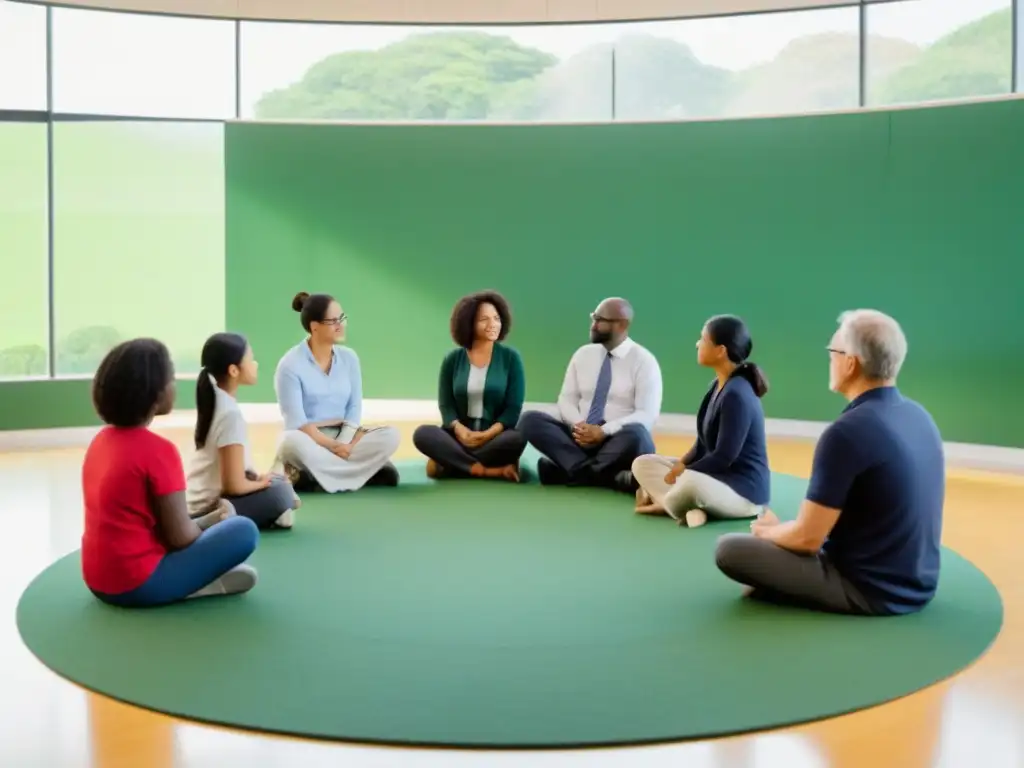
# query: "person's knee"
642,463
529,423
283,495
516,439
423,435
243,534
293,443
635,439
384,439
731,552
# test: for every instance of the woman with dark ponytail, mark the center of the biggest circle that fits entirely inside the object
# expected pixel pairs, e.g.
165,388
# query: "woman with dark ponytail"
725,474
222,467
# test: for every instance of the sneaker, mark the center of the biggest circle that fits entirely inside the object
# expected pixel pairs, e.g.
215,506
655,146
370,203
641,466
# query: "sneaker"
287,520
239,579
549,473
625,482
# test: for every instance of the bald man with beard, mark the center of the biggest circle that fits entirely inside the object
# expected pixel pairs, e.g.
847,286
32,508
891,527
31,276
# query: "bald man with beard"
610,399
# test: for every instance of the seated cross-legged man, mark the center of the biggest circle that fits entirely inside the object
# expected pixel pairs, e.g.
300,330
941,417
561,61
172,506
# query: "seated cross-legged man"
866,539
480,395
610,399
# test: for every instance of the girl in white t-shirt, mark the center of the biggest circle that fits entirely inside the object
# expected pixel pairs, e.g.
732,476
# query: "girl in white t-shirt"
221,467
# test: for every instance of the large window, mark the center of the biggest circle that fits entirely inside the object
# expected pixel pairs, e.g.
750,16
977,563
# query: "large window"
138,219
22,56
138,238
743,65
146,66
928,50
739,66
24,302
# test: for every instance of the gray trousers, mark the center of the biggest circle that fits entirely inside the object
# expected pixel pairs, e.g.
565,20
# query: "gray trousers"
777,575
441,445
263,507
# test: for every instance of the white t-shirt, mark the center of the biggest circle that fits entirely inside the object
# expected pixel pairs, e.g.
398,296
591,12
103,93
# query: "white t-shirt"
228,428
475,391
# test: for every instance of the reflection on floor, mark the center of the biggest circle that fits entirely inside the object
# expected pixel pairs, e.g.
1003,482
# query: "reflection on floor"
977,718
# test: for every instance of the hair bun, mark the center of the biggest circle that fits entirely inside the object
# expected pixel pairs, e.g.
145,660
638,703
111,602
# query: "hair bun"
299,301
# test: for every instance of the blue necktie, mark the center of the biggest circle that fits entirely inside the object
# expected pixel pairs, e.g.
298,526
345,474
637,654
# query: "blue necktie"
604,383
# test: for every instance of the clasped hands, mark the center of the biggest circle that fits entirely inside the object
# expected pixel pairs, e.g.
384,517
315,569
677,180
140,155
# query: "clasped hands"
469,438
587,435
344,450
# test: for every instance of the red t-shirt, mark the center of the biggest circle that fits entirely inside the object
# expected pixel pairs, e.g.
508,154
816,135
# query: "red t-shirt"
123,469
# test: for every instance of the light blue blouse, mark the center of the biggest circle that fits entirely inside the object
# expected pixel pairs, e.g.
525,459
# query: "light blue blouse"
306,394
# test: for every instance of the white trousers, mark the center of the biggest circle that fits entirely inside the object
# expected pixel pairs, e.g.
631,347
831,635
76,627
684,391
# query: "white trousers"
691,490
332,472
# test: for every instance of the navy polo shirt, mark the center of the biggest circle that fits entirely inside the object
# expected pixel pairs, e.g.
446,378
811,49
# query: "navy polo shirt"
882,463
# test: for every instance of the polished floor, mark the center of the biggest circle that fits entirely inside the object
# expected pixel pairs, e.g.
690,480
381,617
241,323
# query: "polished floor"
976,718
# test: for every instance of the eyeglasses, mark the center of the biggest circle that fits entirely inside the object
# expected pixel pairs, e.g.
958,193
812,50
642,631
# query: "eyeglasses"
335,320
598,319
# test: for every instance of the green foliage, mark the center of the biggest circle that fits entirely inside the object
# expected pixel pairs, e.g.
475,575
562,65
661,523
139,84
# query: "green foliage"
440,76
25,360
82,350
479,76
974,60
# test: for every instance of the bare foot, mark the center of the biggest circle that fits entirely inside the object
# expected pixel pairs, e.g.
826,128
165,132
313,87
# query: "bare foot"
433,469
695,518
643,498
510,472
227,509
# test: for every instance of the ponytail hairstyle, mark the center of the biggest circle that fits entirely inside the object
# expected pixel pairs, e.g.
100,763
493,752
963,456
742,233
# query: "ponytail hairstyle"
220,352
731,332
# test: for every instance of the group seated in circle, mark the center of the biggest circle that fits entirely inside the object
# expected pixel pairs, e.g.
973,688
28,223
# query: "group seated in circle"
865,540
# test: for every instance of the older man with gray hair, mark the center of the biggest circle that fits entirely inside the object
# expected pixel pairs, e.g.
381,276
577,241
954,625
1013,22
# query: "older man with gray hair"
866,539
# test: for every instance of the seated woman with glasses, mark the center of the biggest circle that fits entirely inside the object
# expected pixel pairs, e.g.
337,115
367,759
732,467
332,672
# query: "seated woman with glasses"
725,474
320,393
481,387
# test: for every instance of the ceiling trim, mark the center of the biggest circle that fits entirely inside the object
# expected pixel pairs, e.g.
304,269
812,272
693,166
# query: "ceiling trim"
476,12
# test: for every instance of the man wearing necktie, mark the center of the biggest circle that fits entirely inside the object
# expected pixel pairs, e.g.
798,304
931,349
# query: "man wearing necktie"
610,399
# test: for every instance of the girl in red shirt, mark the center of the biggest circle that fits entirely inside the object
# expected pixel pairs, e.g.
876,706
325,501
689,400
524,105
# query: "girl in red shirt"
140,547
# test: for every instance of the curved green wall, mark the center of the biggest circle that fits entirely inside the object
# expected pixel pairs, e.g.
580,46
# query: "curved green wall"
785,221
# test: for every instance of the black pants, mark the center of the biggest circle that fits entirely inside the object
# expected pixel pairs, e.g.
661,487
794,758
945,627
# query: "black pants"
777,575
576,465
441,445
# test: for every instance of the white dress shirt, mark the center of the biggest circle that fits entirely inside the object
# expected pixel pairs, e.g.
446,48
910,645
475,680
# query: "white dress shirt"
635,393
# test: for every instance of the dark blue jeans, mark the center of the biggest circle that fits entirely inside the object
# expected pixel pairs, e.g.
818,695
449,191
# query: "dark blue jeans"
217,550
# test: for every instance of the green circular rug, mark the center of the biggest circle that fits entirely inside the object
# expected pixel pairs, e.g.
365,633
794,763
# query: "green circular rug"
481,614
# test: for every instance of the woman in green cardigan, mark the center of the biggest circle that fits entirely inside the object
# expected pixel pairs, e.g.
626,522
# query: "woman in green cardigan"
480,393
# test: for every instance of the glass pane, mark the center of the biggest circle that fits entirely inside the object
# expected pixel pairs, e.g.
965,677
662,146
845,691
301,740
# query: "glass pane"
138,238
22,56
771,63
355,72
24,303
1020,45
131,64
928,50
